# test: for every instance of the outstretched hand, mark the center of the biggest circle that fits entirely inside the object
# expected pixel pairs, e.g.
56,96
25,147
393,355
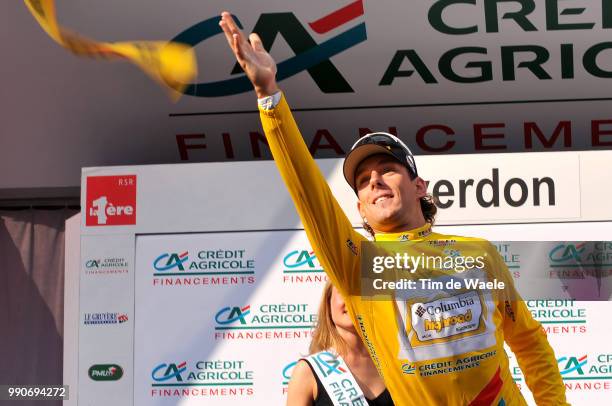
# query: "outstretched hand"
256,62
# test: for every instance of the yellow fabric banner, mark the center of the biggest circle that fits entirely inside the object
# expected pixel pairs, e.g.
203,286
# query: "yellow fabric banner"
170,63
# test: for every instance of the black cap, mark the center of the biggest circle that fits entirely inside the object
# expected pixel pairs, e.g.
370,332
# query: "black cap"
373,144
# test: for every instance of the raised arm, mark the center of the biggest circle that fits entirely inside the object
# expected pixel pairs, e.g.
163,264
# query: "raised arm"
329,231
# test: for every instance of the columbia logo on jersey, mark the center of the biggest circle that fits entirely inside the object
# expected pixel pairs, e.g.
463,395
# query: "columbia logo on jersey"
420,311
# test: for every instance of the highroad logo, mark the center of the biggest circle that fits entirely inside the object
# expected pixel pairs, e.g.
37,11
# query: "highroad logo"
309,56
110,200
447,317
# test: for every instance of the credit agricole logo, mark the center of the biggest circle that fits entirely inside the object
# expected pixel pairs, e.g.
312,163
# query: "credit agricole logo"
313,43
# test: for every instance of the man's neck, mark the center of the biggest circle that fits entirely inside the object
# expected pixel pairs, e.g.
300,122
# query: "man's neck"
411,225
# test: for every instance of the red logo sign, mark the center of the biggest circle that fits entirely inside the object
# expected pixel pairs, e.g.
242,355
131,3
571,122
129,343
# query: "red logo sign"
111,200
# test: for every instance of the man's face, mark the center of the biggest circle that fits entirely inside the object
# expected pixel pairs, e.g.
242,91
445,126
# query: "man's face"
388,197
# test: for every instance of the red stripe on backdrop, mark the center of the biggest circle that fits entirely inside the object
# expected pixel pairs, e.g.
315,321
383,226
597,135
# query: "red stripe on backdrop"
337,18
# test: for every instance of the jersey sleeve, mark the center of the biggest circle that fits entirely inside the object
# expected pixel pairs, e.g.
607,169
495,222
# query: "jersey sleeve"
329,231
528,341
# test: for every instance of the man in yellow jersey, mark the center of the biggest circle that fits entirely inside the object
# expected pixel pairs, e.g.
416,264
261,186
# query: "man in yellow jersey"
424,361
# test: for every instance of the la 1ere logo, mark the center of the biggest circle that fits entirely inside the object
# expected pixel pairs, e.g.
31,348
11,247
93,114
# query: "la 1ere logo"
111,200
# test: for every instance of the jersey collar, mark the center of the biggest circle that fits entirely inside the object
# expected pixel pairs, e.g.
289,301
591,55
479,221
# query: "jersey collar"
413,234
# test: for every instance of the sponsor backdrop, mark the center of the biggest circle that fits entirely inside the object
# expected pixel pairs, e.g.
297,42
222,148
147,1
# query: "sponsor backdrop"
447,76
198,285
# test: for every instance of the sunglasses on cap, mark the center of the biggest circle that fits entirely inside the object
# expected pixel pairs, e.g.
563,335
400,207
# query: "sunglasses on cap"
373,144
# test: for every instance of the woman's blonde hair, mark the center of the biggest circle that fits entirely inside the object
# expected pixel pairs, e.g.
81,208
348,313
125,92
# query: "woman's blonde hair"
325,336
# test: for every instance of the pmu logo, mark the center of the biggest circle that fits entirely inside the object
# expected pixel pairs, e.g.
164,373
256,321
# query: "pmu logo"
566,252
301,261
567,365
229,315
105,372
110,200
165,372
309,56
169,261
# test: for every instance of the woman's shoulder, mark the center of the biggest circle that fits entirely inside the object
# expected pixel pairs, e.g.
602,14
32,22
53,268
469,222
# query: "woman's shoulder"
302,384
302,370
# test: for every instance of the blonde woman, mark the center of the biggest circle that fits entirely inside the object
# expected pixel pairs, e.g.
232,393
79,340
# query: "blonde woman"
339,367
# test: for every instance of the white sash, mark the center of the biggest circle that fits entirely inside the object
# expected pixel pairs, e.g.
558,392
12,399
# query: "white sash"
337,379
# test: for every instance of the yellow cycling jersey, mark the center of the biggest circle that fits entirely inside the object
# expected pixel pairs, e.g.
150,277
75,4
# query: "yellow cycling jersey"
446,366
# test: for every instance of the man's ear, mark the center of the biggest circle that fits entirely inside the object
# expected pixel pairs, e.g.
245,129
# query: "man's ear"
360,209
421,187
